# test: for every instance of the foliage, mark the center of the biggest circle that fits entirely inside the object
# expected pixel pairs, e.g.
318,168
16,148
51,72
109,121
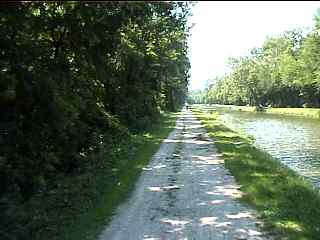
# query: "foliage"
283,72
78,78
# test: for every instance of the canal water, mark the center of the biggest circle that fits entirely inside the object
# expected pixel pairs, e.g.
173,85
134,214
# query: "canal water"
295,141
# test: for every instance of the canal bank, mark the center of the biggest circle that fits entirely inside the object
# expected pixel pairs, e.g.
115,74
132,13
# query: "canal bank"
302,112
288,203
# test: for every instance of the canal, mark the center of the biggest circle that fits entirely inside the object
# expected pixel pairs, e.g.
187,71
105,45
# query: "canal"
295,141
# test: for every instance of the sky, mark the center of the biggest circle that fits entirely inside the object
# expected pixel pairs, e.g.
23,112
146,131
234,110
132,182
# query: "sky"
226,29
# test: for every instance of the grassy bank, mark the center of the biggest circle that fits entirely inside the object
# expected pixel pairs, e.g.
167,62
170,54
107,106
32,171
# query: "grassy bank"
304,112
288,204
81,205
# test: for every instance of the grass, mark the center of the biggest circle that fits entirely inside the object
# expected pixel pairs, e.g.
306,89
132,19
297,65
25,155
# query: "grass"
304,112
287,203
82,205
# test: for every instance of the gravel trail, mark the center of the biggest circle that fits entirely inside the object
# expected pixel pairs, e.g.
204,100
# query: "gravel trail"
185,193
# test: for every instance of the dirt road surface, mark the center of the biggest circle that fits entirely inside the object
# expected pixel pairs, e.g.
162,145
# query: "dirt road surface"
185,193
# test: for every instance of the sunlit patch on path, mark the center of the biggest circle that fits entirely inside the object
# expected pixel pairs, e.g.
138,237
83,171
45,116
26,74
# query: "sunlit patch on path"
240,215
207,160
230,190
246,233
207,221
174,222
216,201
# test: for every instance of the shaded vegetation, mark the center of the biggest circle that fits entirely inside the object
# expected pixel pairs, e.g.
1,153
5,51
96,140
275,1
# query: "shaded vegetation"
288,204
78,81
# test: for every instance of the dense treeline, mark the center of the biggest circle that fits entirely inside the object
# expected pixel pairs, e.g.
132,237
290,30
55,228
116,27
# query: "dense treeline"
79,77
284,72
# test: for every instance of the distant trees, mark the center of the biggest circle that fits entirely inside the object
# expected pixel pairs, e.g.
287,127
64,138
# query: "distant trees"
196,97
284,72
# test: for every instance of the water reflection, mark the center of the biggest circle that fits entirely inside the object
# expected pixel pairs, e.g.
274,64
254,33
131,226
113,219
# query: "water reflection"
294,140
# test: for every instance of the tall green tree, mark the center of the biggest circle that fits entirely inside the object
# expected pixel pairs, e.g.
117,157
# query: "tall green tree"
76,76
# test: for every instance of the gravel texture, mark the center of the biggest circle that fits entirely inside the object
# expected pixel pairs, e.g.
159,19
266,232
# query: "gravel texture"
185,193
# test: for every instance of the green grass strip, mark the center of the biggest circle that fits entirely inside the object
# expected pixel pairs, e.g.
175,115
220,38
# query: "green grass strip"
289,206
302,112
305,112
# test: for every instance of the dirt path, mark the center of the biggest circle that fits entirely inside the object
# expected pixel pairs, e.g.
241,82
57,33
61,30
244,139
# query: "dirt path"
184,193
